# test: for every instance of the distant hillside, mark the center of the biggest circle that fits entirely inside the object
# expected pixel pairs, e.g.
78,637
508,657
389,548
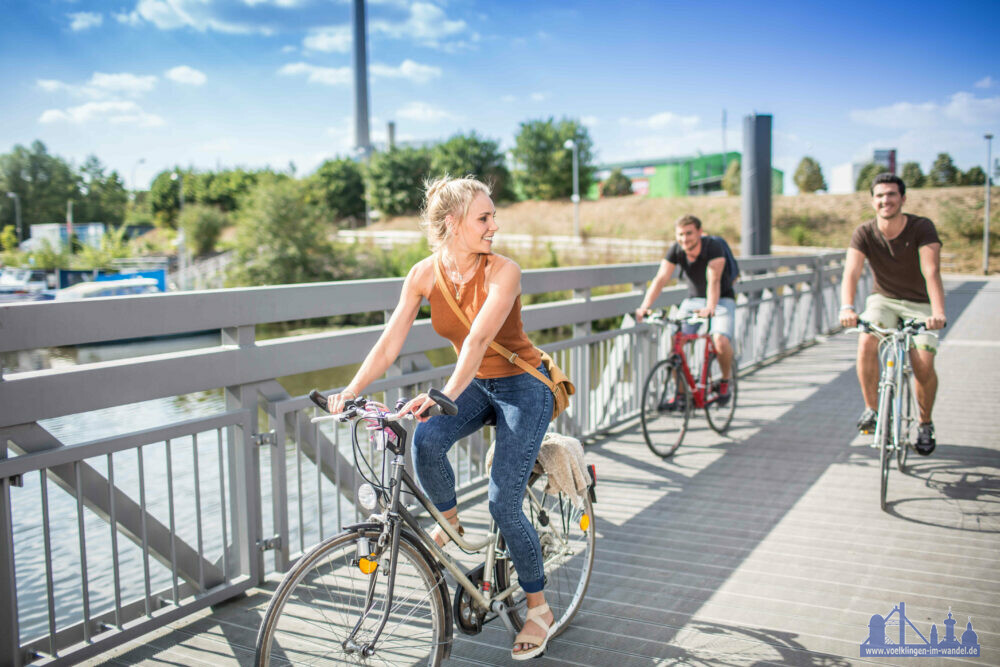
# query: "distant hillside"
807,220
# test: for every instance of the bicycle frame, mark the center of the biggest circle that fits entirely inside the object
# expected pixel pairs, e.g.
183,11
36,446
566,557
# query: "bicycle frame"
894,360
699,388
392,520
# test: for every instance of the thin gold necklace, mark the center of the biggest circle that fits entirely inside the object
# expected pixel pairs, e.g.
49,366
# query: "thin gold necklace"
457,277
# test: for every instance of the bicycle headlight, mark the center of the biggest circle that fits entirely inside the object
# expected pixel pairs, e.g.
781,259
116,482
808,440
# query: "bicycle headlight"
367,496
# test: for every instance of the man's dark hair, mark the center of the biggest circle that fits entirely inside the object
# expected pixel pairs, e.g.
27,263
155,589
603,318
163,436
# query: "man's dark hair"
688,220
886,177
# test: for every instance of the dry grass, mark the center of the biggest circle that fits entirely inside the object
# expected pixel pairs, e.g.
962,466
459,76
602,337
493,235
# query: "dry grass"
806,220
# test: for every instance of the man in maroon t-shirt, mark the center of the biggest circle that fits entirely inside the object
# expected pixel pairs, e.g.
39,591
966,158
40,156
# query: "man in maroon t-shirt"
904,252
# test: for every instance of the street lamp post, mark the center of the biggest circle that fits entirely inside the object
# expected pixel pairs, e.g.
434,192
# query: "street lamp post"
571,145
181,246
17,216
986,225
141,160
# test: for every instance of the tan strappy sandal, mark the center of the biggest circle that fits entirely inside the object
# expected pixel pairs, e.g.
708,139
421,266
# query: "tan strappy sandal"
439,532
531,635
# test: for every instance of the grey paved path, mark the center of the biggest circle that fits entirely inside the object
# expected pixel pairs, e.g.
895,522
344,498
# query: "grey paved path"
767,547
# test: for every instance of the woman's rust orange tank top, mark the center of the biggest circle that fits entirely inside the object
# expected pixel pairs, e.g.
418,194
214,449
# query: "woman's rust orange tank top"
471,297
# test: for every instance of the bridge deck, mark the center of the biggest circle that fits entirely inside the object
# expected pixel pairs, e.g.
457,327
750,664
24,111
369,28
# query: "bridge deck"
768,547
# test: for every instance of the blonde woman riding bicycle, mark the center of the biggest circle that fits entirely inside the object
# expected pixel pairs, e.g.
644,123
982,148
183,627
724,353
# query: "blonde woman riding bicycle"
460,221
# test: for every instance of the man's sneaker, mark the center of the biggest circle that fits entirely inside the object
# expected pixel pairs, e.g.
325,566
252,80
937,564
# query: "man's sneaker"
925,439
866,422
675,404
724,394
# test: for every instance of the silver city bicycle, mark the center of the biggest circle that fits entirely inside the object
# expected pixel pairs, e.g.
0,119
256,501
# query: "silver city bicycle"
898,416
376,593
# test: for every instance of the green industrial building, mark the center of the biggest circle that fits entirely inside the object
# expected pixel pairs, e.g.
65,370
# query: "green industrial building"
677,177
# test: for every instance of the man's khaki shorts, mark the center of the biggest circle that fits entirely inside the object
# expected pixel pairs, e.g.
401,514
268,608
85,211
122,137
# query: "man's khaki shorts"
887,313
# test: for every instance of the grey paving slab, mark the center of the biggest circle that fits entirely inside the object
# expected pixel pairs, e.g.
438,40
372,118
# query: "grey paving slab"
767,546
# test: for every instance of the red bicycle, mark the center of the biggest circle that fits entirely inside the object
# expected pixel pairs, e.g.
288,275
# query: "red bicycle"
671,391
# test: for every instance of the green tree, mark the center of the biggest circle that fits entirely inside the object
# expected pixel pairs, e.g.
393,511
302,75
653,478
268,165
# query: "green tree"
468,154
545,165
103,196
913,175
202,225
975,176
396,179
339,186
733,178
113,246
280,239
808,176
43,183
165,196
867,175
944,173
617,184
227,187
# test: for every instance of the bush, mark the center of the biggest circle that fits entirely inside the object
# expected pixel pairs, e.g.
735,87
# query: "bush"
202,225
280,239
913,176
616,185
396,180
809,177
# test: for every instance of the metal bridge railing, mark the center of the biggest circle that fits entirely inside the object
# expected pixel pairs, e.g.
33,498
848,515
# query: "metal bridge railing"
132,511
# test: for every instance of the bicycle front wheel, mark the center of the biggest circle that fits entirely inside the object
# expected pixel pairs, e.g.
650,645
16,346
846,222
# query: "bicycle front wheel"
566,533
719,411
908,418
665,410
326,610
884,430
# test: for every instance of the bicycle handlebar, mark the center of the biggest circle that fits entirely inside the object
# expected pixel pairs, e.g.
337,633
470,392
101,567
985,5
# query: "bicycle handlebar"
660,318
911,327
359,407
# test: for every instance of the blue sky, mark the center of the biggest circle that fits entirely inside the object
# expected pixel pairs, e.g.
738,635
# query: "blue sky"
208,83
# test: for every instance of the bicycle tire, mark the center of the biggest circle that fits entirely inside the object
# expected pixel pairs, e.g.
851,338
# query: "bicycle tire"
907,423
567,549
663,423
322,597
719,417
884,430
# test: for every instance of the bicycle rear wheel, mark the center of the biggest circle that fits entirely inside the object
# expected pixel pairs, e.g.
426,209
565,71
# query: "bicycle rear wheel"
884,430
665,409
568,538
719,415
908,418
323,597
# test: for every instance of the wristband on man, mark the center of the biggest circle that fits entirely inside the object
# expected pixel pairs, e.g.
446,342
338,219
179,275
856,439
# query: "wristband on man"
847,306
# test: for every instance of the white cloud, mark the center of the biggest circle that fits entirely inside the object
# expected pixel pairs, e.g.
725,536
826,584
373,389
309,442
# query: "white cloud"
327,76
186,75
422,112
538,97
201,15
508,98
961,108
123,83
114,112
427,24
986,82
329,39
590,121
407,70
663,121
84,21
103,85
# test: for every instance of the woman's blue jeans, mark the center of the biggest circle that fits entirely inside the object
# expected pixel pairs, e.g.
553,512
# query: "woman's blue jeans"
522,406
